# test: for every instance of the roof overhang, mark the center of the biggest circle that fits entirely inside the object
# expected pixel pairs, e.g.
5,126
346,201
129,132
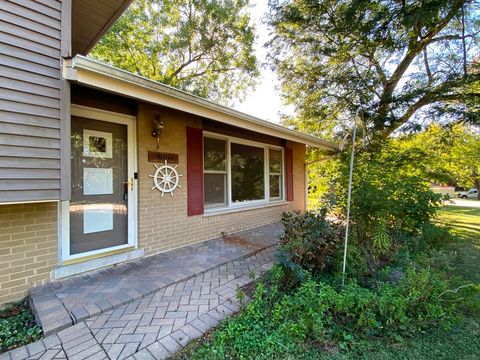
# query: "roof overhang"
91,19
88,72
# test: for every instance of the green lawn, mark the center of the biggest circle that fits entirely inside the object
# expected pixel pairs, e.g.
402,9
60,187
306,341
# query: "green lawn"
461,342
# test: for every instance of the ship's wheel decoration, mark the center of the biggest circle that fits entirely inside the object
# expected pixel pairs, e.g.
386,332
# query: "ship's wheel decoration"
166,178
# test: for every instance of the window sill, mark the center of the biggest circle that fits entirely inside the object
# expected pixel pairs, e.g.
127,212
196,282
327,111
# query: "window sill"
222,211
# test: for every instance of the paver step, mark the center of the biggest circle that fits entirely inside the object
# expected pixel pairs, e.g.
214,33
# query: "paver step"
61,304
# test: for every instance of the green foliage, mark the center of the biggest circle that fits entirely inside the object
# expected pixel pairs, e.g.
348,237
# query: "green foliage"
395,58
390,200
201,46
452,153
17,327
310,240
277,324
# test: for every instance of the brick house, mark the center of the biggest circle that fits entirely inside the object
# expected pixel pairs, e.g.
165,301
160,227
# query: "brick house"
91,156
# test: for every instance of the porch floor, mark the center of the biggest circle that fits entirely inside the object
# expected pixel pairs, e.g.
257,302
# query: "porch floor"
148,308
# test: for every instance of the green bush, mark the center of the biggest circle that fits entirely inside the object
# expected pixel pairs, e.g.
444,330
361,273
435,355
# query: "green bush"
310,240
17,327
278,324
390,200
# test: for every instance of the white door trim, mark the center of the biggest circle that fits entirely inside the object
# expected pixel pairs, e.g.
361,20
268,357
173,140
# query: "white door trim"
64,214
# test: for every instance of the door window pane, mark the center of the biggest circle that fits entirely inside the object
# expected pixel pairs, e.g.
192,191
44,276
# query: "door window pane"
215,189
248,164
215,154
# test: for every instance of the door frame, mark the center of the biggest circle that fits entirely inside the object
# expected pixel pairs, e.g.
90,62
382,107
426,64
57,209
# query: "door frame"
64,214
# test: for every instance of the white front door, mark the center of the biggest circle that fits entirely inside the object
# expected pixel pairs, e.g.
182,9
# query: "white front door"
101,213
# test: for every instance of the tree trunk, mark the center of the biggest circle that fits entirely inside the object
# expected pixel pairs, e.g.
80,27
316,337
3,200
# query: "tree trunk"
476,182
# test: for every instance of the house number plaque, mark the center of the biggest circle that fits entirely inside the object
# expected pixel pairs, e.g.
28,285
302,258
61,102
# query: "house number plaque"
161,157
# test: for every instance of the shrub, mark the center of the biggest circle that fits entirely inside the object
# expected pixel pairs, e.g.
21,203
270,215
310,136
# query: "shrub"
309,241
17,327
390,200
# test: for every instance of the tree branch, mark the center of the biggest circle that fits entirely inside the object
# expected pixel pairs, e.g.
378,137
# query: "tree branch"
425,100
415,46
427,67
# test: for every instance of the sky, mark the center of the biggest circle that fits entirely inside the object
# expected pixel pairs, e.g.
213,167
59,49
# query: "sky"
264,102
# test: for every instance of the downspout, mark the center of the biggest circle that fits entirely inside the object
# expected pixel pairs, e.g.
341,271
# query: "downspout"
349,197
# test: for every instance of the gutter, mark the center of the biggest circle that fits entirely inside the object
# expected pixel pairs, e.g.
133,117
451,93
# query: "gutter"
70,72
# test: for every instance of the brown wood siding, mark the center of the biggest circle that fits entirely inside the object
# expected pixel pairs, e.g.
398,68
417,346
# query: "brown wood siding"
101,100
30,33
229,130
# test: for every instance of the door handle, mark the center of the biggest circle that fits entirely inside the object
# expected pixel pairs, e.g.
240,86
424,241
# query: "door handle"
131,183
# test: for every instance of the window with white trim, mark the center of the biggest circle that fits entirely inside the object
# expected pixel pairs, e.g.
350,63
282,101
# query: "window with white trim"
215,172
240,172
275,167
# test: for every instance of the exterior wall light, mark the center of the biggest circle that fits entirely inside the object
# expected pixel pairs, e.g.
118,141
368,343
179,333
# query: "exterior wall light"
158,125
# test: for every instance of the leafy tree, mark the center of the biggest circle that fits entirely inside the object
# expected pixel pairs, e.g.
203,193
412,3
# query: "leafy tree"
395,58
201,46
452,153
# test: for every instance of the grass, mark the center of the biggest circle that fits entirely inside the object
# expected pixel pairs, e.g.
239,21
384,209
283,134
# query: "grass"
460,342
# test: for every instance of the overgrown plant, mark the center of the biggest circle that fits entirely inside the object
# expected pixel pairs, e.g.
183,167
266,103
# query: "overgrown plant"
309,241
389,198
278,324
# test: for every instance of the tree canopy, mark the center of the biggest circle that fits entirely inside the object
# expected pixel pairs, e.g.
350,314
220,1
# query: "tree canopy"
452,153
201,46
395,58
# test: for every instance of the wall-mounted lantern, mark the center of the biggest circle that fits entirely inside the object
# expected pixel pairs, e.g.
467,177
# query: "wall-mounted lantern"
157,127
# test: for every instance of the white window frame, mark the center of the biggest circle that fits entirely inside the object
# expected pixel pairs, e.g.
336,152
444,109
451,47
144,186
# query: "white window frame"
226,172
251,203
281,174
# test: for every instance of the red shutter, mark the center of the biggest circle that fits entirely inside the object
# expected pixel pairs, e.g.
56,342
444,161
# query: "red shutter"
195,171
289,170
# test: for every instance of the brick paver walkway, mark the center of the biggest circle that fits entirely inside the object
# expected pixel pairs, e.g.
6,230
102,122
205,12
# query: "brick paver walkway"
158,324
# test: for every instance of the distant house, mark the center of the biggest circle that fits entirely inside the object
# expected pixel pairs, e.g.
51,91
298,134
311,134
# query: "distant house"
443,190
99,166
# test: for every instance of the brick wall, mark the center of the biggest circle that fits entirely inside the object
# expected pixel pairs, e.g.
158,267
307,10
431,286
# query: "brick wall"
28,247
163,223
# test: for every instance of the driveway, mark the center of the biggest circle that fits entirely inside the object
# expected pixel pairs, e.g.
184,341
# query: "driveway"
465,202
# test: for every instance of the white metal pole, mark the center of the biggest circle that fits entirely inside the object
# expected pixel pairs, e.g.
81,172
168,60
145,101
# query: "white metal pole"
349,197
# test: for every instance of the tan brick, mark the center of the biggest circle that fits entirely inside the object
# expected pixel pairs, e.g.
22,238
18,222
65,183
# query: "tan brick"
13,243
36,265
43,270
37,227
36,252
47,257
21,275
47,232
12,257
23,248
21,289
24,235
11,284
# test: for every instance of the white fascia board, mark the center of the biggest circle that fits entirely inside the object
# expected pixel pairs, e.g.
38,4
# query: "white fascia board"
95,74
